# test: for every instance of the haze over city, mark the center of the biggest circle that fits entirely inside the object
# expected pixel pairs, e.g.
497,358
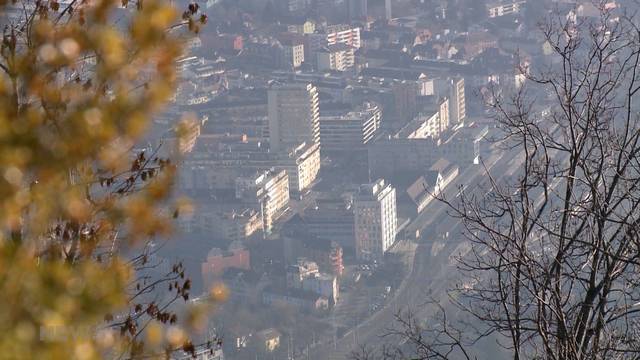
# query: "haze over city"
319,179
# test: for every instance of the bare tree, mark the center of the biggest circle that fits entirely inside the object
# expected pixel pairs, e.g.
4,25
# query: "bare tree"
555,251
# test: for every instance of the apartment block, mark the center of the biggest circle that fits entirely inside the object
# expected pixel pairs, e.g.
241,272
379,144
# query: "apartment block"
376,220
351,131
293,115
267,190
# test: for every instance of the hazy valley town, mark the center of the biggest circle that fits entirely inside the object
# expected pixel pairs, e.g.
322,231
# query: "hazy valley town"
320,179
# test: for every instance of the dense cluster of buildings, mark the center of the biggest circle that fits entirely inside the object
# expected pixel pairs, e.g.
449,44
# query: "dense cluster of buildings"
325,126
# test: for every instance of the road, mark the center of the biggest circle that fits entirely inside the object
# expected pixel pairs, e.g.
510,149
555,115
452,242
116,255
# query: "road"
433,269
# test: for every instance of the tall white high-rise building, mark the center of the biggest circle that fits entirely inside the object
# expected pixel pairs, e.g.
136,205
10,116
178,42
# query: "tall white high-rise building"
294,116
376,220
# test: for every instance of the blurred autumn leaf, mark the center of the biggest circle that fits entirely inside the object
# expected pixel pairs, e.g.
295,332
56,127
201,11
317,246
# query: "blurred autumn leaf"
77,90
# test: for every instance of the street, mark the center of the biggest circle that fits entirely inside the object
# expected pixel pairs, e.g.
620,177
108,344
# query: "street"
434,267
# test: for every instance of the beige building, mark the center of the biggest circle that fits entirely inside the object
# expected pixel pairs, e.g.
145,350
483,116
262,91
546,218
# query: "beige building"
338,57
268,340
458,102
267,190
292,51
306,27
302,164
235,225
293,116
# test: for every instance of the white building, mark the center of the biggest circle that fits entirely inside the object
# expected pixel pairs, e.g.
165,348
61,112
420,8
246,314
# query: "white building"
458,103
268,191
338,57
306,275
376,220
502,8
343,34
302,164
293,116
454,89
350,131
332,35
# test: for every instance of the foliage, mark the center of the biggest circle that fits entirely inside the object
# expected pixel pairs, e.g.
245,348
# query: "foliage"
78,86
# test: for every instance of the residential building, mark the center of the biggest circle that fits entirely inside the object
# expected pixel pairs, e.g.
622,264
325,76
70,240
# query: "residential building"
305,275
431,123
351,131
326,253
337,57
237,256
467,145
458,104
406,95
294,116
375,220
268,340
302,164
333,34
423,126
268,190
328,220
266,53
343,34
303,26
454,89
234,225
291,51
505,7
298,272
218,165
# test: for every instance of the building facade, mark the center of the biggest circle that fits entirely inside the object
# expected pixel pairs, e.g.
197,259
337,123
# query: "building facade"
267,190
333,222
302,164
218,260
337,57
305,275
405,94
458,103
350,131
376,220
294,116
292,51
